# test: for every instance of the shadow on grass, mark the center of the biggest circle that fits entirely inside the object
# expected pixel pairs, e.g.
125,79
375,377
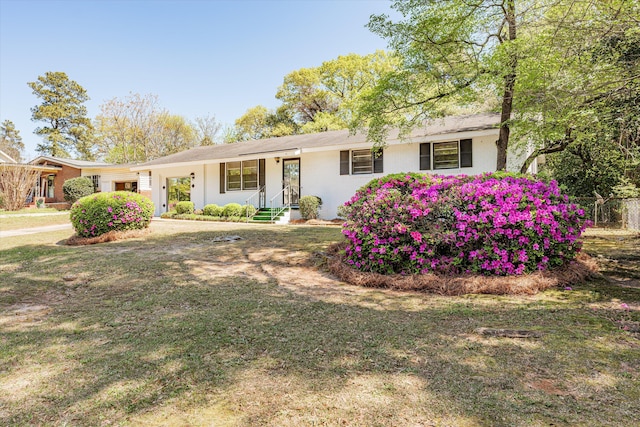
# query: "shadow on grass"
181,321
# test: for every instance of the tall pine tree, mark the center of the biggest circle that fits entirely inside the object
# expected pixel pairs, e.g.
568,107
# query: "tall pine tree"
67,131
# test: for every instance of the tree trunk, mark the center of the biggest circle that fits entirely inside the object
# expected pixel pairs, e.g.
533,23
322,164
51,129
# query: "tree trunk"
555,147
507,96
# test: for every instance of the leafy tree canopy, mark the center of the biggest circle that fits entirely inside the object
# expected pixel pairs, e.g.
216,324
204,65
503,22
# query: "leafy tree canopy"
137,129
316,99
535,58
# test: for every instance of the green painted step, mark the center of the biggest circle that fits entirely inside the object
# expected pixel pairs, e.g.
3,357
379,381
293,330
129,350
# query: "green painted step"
264,215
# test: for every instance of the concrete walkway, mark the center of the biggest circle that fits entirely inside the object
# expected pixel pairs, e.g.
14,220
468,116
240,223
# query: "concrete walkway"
33,230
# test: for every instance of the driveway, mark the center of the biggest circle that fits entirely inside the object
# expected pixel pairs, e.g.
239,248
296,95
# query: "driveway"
33,230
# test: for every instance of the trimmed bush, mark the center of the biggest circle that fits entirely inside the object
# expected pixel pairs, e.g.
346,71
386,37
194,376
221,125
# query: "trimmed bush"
309,206
493,224
77,188
232,209
212,210
103,212
248,210
185,208
168,215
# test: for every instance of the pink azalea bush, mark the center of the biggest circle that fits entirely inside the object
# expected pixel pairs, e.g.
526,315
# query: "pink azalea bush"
492,224
113,211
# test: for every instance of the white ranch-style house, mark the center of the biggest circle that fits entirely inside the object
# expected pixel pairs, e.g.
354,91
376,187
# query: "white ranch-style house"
330,165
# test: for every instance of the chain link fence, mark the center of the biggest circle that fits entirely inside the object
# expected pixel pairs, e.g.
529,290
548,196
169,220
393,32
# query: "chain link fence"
612,212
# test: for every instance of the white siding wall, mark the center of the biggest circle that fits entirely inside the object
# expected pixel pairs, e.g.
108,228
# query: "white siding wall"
321,177
319,173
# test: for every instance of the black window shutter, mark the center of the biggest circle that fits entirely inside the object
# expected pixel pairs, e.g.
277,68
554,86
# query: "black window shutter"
344,162
466,153
222,178
377,162
425,156
261,172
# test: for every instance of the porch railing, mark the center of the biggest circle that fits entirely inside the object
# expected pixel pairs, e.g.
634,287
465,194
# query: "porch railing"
257,200
280,202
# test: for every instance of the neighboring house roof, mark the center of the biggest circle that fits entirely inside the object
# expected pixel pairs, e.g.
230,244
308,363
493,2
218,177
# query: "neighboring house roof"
5,158
272,146
79,164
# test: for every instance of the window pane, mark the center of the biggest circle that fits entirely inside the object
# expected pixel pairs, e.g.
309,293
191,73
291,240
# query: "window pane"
445,155
361,161
250,175
234,177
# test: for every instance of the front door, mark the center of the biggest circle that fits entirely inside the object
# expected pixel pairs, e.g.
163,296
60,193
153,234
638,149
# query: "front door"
291,181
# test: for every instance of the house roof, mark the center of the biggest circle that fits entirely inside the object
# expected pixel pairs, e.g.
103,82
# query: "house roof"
5,158
272,146
79,164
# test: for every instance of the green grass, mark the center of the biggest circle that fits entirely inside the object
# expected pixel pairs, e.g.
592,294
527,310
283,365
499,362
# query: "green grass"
29,211
174,329
15,222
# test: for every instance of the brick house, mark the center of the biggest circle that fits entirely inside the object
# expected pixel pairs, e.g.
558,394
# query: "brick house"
105,177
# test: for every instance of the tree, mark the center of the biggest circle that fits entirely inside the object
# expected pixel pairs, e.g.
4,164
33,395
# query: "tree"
16,182
77,188
259,123
207,129
173,134
529,53
601,147
67,129
11,141
125,128
330,93
136,129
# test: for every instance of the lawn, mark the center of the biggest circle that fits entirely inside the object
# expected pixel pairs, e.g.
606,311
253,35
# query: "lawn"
33,218
178,329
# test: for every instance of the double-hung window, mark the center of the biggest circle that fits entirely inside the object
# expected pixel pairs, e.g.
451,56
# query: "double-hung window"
446,155
243,175
359,162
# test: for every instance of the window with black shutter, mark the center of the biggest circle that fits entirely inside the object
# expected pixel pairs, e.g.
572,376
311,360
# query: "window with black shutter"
466,153
344,162
222,178
377,162
425,156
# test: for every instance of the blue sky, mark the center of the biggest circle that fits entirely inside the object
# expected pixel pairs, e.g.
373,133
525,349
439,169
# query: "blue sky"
201,57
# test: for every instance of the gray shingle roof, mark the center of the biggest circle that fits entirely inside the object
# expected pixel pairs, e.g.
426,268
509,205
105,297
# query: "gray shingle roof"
447,125
69,162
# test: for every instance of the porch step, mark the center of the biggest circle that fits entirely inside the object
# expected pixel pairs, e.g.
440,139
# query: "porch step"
264,216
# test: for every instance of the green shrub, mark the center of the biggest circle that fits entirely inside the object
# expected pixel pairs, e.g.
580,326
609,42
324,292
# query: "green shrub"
212,210
185,208
112,211
248,210
309,206
232,209
77,188
168,215
343,211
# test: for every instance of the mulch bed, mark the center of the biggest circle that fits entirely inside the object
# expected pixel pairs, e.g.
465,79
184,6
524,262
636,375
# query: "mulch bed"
584,267
111,236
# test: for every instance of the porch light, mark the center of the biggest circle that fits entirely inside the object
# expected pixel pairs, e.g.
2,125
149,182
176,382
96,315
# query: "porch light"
193,175
277,159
